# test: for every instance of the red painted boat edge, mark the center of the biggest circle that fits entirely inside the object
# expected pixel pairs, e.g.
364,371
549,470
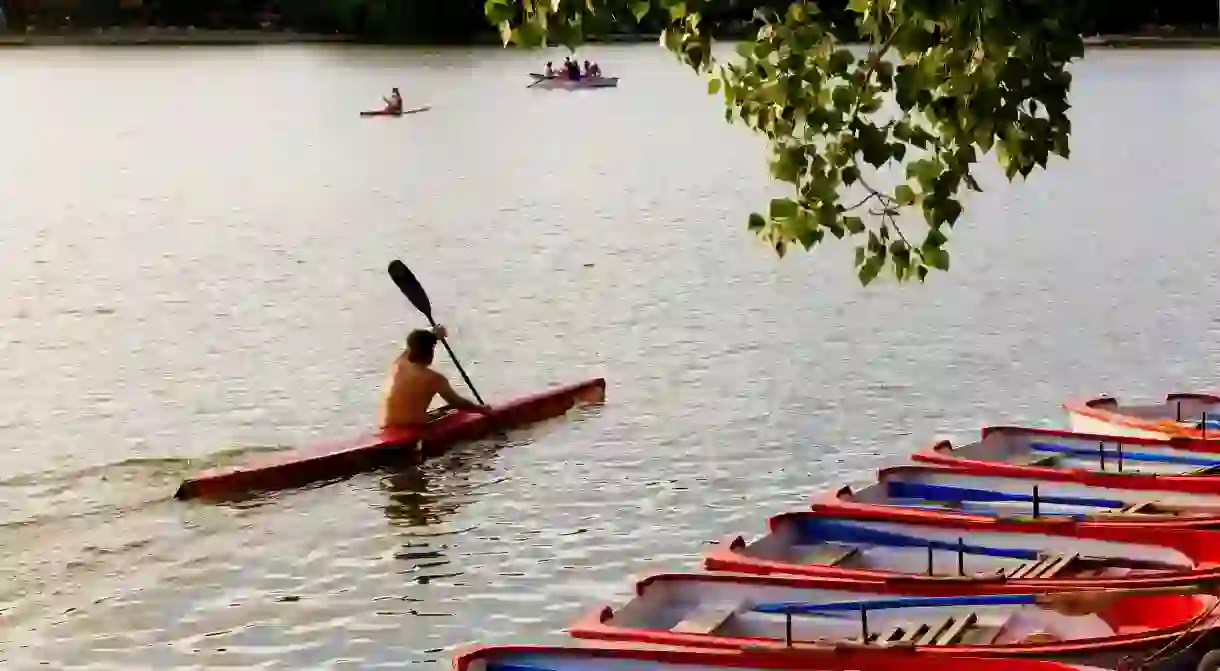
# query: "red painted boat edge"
774,657
337,459
594,625
1201,546
1103,409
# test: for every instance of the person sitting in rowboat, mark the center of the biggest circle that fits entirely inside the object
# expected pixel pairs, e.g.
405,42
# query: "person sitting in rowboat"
393,104
412,384
549,71
571,68
593,70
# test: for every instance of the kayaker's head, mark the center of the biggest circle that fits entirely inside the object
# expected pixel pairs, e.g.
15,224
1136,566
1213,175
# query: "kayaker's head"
394,90
421,345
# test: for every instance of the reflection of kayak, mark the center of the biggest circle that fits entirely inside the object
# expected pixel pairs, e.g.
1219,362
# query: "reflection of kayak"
425,108
560,82
327,461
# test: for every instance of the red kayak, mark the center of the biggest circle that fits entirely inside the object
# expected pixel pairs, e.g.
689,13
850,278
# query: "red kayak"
898,546
1101,460
341,459
627,657
393,113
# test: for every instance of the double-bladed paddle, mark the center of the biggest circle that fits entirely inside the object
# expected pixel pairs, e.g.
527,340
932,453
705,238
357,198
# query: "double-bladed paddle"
414,291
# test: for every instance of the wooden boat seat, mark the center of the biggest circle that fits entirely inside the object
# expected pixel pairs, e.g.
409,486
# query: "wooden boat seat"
706,619
1137,508
894,635
953,630
1033,458
828,555
1046,566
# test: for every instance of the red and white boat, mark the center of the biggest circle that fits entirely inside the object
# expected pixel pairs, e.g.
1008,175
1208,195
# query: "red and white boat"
896,546
335,460
628,657
1057,496
1106,628
1195,416
1131,463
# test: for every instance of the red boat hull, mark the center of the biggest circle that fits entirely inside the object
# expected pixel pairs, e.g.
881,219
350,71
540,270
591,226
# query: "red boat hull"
844,499
1145,623
344,458
1201,546
771,658
1105,410
941,452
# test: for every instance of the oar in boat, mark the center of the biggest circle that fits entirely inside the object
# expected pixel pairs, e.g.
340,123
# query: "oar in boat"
414,291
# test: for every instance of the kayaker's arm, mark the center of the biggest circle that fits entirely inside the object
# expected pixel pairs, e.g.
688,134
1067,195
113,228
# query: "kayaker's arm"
456,400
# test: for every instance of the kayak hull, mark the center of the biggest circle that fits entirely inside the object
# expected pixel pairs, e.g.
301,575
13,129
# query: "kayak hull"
333,460
1192,416
371,113
627,657
944,554
1066,498
1094,459
737,612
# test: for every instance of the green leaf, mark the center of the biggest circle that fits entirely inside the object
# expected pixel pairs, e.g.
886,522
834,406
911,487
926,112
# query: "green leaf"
849,175
713,86
640,9
936,258
904,194
757,222
854,225
782,208
859,6
869,269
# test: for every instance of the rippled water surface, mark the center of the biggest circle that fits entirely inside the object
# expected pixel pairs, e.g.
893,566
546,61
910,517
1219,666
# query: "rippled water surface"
192,255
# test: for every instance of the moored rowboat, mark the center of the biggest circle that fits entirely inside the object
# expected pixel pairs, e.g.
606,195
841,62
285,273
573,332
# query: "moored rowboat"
730,611
611,657
340,459
944,553
1134,463
1079,499
1194,416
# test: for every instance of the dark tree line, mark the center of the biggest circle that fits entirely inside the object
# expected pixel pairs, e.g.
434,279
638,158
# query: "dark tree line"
458,21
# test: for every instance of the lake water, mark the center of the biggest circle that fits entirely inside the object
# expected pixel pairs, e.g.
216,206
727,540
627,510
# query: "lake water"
193,245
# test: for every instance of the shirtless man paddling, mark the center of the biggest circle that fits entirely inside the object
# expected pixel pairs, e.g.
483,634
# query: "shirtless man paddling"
412,384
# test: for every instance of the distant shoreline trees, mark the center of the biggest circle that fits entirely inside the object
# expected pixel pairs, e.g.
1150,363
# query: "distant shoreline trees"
463,21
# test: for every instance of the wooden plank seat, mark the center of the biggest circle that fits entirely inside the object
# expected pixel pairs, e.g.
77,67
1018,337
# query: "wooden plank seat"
706,619
1046,566
827,555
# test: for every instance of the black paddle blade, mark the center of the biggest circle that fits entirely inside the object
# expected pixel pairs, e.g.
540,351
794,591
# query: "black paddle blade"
410,287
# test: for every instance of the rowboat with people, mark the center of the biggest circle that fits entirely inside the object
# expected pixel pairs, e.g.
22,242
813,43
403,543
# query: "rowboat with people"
1133,628
409,431
945,553
1082,500
606,656
1192,416
570,76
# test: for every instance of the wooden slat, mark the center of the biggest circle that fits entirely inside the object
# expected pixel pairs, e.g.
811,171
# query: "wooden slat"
954,633
705,620
914,633
1057,567
934,631
1136,508
828,555
1031,569
1019,570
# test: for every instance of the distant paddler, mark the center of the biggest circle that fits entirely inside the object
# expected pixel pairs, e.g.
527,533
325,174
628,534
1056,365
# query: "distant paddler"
412,384
393,104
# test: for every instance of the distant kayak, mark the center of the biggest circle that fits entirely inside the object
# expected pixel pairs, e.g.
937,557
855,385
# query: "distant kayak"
389,113
560,82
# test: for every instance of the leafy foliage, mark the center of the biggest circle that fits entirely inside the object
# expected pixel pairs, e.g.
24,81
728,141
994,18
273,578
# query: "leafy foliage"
865,137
